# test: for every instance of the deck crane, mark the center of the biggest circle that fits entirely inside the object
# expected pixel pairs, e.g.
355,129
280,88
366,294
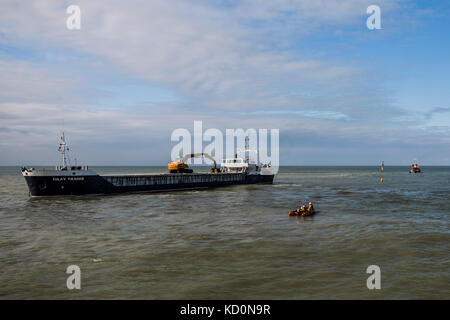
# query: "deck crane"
180,166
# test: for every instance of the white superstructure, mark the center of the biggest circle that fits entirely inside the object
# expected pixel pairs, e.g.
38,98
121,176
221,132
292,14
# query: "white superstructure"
241,165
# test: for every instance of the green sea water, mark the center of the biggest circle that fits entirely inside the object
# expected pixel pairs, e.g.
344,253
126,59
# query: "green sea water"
235,242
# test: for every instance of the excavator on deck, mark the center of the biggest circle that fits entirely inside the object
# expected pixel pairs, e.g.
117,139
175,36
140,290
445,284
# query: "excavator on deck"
180,166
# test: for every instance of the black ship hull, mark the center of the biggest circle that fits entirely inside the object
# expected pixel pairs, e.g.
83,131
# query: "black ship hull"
43,186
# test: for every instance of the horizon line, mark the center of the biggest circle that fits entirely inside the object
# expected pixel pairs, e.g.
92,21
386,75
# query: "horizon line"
192,165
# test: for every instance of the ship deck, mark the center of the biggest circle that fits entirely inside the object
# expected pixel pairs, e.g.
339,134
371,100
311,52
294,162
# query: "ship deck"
162,174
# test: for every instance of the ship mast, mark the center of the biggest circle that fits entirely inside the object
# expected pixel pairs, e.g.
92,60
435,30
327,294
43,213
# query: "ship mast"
247,151
62,148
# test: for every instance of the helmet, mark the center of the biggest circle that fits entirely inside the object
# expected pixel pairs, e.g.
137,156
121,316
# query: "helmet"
310,203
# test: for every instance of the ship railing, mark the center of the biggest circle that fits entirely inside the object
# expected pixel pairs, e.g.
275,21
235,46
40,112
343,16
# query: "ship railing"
235,160
72,168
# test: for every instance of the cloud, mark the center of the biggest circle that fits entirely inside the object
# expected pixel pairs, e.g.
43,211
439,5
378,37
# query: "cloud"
217,57
229,63
436,111
21,81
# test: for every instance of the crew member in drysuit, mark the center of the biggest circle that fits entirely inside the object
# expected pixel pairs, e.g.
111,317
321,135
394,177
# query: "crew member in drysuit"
302,208
310,208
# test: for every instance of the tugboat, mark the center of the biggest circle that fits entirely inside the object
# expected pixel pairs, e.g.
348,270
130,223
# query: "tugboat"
67,180
414,168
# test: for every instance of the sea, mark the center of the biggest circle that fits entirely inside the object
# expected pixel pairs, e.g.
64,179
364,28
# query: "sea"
235,242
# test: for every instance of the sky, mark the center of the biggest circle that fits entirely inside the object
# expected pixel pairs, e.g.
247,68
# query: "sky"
339,93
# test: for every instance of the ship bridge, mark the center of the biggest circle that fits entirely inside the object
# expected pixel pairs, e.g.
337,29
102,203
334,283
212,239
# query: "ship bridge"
239,165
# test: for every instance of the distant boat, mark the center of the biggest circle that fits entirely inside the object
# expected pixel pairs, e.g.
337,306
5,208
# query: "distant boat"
414,168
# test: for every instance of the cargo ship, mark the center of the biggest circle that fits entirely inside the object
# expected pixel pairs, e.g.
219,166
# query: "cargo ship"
66,180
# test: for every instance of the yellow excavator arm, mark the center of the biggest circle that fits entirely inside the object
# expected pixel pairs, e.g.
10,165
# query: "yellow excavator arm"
180,166
199,155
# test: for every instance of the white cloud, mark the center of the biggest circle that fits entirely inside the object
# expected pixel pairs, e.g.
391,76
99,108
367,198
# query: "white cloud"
220,56
215,56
